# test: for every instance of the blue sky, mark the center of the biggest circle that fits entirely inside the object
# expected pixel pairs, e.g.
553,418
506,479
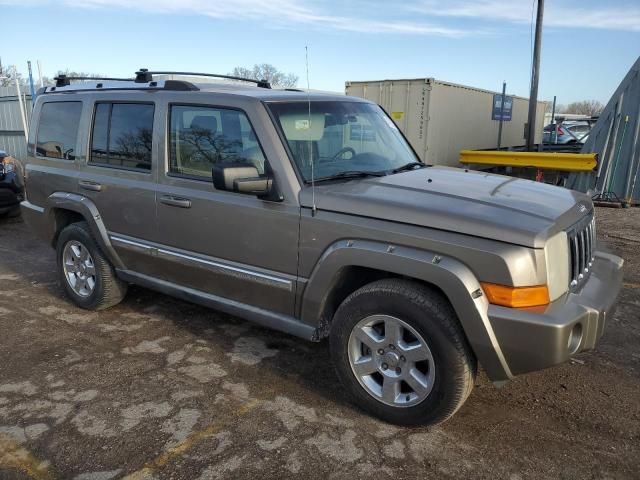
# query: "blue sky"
588,45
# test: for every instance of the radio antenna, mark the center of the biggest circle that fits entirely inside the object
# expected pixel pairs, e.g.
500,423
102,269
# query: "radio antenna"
313,180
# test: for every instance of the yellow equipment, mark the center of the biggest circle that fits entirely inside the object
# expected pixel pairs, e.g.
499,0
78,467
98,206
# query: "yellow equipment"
564,162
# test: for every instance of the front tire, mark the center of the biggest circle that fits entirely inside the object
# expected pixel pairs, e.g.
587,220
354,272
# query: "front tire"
401,354
85,273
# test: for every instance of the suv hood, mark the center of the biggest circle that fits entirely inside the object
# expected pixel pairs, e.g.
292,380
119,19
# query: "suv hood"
475,203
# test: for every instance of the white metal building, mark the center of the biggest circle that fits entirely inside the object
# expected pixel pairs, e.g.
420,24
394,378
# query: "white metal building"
12,139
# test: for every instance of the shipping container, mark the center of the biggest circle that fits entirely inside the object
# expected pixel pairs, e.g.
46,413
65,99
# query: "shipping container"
441,118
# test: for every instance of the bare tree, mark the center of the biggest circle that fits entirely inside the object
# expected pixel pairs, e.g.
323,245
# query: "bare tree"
561,108
73,73
8,77
268,72
585,107
69,73
10,73
549,107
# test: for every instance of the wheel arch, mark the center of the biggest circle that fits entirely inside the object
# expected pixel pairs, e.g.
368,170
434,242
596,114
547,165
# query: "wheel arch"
351,264
63,209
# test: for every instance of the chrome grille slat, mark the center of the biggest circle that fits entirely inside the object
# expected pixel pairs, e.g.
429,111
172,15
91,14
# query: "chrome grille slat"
574,261
593,238
582,240
588,237
581,255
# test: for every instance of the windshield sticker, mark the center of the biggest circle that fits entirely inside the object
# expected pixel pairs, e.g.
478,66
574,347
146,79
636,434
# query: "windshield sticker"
302,124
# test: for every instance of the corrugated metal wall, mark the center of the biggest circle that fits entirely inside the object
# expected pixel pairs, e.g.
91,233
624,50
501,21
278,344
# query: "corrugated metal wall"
616,139
11,130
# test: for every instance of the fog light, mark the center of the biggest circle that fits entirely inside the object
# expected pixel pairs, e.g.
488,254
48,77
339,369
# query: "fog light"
575,338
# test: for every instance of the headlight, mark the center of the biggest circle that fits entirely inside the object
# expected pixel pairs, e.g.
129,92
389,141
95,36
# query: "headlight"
556,253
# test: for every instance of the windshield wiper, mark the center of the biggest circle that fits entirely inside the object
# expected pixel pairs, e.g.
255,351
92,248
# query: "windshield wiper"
349,174
408,166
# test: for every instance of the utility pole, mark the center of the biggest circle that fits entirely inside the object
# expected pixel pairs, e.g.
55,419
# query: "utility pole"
535,74
31,87
553,122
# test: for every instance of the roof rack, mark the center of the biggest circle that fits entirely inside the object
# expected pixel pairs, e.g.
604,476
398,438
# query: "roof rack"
143,75
64,81
143,80
104,83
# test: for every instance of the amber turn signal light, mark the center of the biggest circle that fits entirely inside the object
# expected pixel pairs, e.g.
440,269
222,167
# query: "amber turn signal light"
516,297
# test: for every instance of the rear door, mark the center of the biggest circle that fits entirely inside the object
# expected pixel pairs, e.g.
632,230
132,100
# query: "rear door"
228,244
53,162
119,176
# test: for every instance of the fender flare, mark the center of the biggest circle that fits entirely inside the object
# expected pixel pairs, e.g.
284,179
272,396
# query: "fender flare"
456,280
85,207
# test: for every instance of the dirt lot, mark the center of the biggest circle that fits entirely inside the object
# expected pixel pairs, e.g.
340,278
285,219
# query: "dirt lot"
159,388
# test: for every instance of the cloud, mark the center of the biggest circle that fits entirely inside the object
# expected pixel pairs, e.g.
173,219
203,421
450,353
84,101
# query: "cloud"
409,17
566,14
273,13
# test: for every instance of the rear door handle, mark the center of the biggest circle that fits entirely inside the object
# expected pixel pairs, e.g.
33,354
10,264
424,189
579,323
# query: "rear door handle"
87,185
175,201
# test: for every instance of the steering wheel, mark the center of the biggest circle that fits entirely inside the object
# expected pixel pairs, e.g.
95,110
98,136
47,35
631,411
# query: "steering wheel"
344,150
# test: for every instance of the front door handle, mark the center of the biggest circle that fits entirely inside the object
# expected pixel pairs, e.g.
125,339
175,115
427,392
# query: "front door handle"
175,201
87,185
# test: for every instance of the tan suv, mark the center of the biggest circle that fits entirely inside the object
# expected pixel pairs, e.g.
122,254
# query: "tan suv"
311,214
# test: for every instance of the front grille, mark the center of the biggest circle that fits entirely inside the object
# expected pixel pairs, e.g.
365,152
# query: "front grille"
582,242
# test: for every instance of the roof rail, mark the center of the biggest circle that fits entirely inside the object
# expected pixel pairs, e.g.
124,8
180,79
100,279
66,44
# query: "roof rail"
64,81
118,84
144,75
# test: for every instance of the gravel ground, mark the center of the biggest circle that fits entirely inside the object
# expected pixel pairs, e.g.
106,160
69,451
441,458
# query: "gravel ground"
159,388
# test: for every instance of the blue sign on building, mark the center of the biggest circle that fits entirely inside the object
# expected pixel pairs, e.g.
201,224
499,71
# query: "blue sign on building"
497,107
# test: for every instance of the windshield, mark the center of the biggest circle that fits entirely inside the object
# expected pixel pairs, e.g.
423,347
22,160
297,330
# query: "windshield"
342,138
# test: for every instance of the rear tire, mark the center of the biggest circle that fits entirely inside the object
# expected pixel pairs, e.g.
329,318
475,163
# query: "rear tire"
85,273
400,352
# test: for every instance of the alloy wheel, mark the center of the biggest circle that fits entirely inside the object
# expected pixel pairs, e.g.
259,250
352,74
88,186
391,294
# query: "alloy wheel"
391,360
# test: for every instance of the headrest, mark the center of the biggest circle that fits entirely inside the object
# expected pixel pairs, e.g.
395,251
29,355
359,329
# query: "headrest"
205,122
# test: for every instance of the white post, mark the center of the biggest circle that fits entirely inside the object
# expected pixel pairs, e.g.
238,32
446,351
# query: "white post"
22,109
40,73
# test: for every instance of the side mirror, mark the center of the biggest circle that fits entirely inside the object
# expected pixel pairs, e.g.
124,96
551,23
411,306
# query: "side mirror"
243,178
259,186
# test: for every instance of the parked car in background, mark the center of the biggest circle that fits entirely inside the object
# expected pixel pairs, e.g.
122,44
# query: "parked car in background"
11,188
566,132
311,213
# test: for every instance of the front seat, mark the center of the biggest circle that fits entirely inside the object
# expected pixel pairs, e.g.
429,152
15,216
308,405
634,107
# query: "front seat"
204,126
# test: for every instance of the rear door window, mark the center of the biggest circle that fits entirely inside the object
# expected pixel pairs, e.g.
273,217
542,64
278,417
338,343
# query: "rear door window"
58,130
122,135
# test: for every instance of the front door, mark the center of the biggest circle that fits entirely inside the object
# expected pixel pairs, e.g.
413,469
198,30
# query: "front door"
228,244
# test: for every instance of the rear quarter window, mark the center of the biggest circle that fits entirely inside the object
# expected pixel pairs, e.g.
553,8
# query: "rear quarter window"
58,130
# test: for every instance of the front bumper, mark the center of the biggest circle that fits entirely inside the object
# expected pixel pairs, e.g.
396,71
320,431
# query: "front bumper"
532,340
